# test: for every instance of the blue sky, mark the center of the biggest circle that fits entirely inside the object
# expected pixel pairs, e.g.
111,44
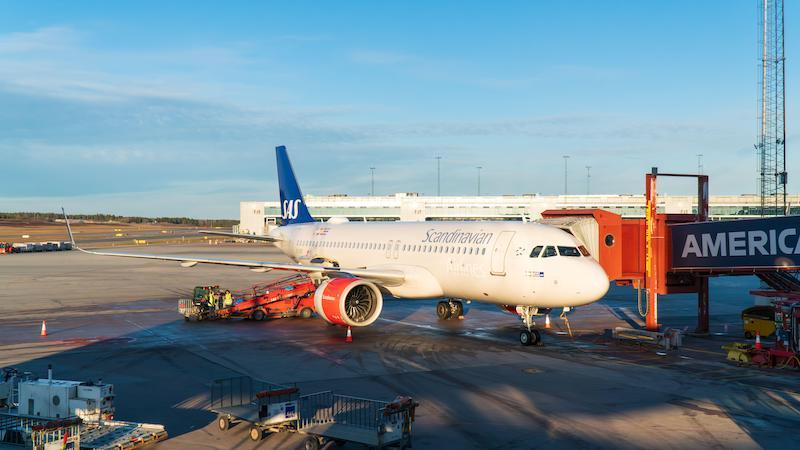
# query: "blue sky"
175,108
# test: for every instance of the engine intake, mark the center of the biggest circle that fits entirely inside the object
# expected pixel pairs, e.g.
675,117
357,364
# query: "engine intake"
348,301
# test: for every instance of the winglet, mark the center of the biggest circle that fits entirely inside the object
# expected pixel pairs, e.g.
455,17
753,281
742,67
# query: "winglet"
69,229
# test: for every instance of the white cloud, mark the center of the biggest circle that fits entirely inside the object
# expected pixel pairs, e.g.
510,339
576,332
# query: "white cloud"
47,39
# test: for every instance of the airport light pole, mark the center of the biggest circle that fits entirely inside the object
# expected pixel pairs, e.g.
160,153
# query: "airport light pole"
566,158
699,163
588,179
479,179
438,175
372,183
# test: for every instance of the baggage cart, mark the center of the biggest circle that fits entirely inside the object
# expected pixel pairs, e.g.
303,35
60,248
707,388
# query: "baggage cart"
322,417
265,406
326,416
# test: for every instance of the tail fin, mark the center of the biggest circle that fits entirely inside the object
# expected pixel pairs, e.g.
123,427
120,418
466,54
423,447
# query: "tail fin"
293,209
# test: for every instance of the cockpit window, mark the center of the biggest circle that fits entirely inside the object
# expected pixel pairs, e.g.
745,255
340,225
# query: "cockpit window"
549,251
583,250
536,250
568,251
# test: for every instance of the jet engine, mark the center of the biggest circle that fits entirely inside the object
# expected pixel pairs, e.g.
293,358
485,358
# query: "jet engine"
348,301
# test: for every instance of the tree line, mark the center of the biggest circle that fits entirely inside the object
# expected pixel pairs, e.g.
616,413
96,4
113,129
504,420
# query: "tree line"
119,219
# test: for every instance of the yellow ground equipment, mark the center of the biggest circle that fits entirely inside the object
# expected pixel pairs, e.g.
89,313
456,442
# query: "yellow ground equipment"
761,319
738,353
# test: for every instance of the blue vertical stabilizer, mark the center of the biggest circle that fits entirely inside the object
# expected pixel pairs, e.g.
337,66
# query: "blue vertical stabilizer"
293,207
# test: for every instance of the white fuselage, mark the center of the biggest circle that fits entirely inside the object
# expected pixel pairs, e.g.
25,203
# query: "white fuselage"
483,261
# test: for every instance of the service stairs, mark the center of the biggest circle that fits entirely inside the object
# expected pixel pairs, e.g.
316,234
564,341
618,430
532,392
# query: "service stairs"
781,280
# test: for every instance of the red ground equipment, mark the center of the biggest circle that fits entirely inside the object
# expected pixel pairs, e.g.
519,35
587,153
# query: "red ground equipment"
289,296
6,247
785,351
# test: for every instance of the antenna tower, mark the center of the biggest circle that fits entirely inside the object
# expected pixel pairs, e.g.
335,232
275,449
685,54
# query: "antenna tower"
771,146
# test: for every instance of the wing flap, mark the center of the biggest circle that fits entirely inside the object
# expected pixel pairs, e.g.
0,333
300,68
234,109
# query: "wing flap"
240,236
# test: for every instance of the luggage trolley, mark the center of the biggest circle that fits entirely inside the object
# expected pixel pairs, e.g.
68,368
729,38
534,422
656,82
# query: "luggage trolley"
326,416
265,406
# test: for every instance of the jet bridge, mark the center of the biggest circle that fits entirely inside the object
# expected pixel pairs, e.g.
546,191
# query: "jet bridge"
676,253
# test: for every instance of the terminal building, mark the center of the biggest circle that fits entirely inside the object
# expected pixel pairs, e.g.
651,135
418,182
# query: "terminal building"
256,217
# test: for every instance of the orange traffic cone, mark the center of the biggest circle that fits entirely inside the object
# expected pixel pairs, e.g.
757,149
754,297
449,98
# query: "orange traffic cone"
44,329
349,337
758,341
547,321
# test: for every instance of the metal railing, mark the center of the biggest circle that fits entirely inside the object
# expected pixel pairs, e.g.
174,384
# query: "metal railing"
37,431
327,407
237,391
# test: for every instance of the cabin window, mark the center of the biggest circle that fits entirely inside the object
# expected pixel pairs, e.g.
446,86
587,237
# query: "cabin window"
568,251
483,251
536,251
549,251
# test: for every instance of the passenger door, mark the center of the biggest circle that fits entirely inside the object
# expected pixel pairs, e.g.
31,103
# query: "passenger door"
389,249
499,253
396,252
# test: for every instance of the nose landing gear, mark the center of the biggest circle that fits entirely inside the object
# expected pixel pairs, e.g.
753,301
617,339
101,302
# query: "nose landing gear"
529,336
451,309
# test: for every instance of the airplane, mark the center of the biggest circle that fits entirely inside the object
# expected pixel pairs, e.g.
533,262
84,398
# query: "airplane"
526,268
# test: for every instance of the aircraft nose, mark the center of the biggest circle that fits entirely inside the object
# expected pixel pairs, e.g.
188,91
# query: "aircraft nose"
597,282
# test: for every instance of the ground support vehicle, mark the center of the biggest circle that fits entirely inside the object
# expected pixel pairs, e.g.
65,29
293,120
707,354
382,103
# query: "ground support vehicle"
323,417
288,296
759,319
265,406
115,434
326,416
37,433
785,352
197,308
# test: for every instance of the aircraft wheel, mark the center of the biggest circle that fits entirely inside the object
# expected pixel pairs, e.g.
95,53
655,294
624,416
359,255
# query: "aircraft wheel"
458,309
443,310
306,313
255,433
257,315
525,337
311,443
223,423
537,338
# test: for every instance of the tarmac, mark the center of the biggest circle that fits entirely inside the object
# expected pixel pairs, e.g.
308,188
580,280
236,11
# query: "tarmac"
116,319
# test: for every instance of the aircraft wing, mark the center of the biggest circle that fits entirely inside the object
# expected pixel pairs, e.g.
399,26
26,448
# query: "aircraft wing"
240,236
387,276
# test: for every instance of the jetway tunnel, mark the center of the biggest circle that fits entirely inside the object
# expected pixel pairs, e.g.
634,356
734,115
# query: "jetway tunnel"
677,253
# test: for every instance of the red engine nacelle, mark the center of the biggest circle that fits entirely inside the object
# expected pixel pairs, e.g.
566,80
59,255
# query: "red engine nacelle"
348,301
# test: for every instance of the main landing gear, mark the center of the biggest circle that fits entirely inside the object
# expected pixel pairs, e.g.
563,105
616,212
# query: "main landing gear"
528,336
451,309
